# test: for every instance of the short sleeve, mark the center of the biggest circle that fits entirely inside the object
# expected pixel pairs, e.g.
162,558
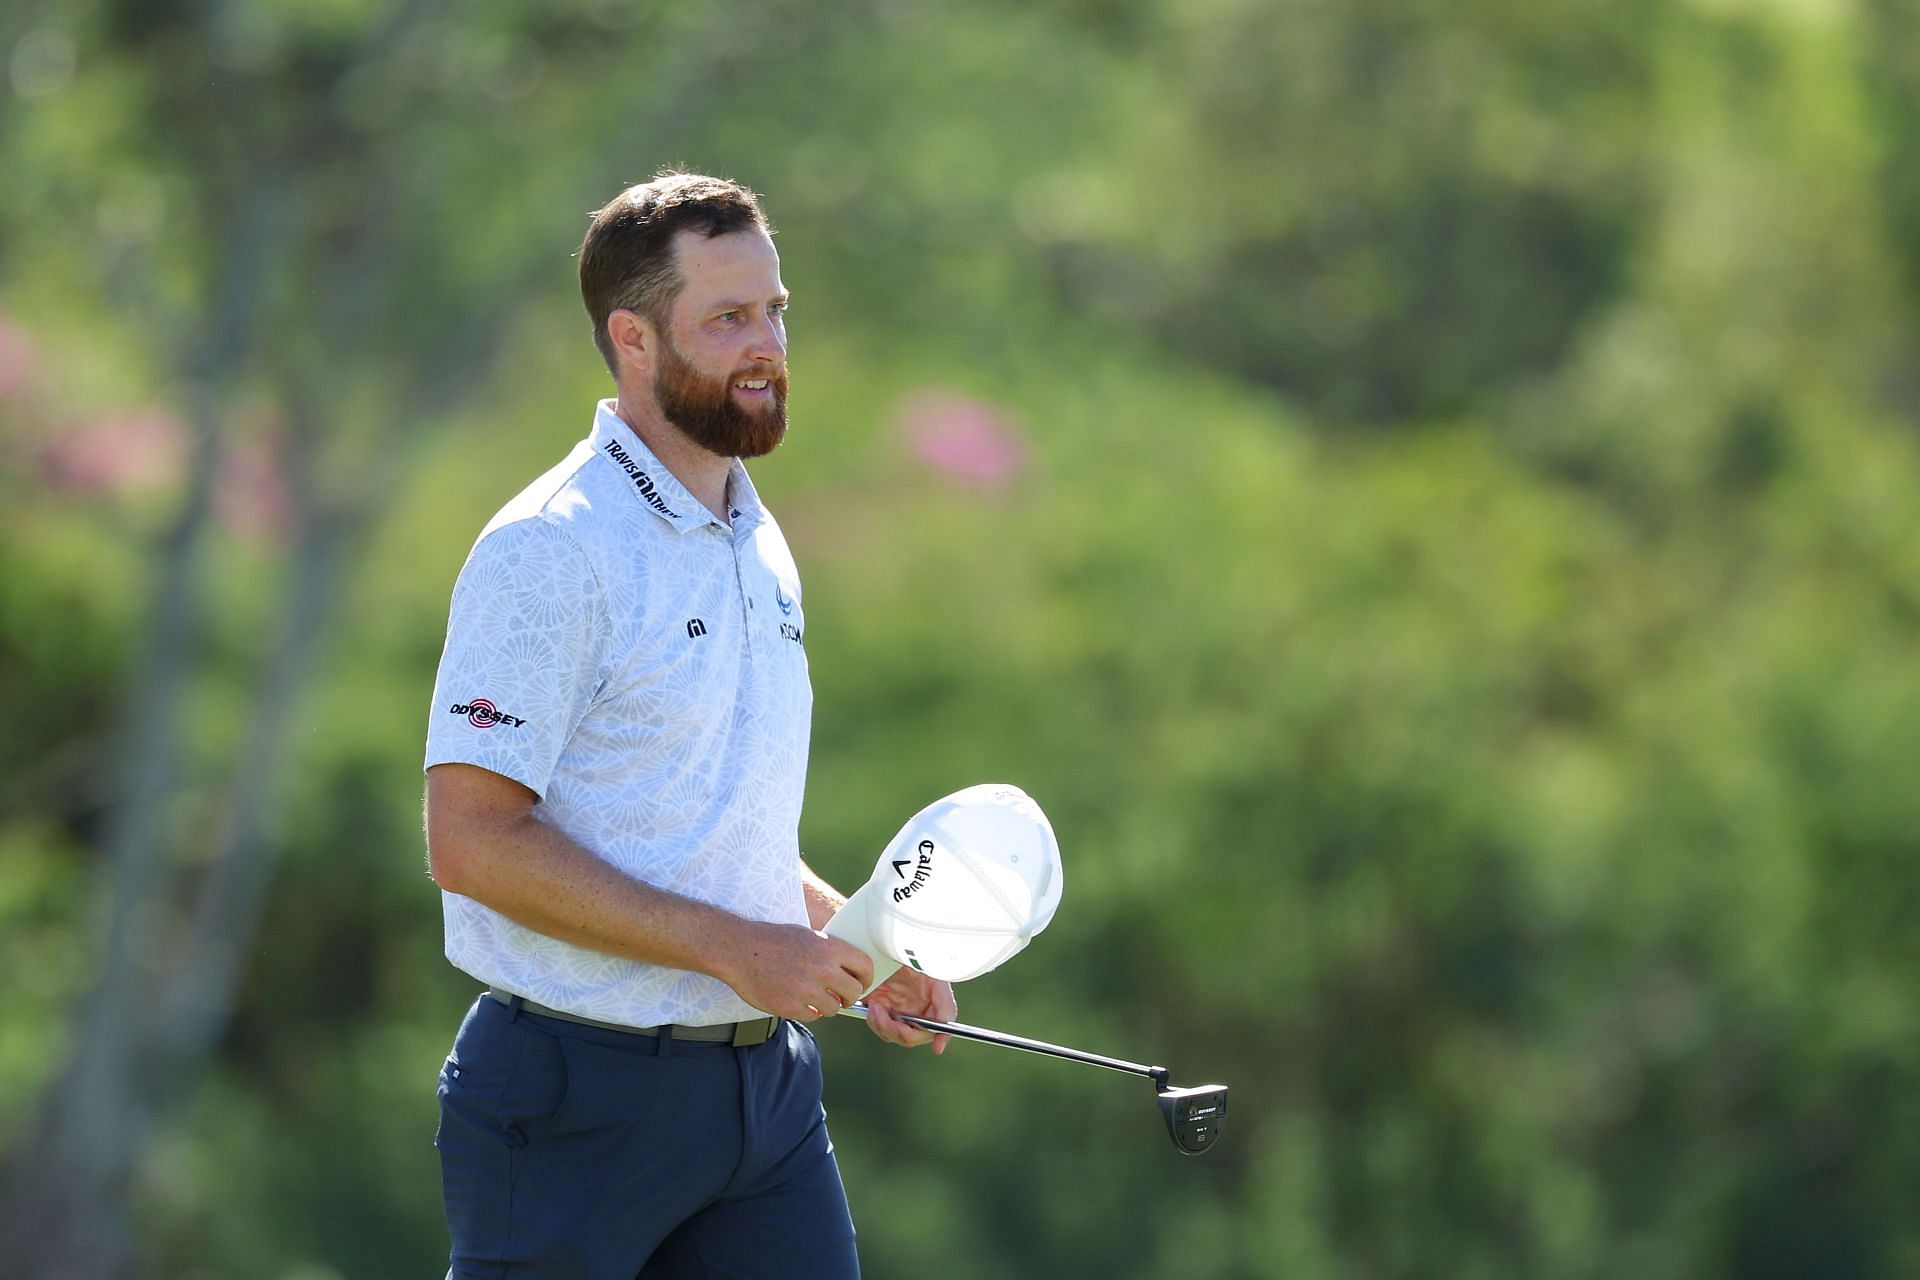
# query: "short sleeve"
526,642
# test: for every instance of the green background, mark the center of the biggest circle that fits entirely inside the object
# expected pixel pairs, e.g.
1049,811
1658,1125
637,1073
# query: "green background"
1452,584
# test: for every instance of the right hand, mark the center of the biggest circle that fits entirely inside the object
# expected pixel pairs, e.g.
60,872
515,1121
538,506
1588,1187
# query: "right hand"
791,971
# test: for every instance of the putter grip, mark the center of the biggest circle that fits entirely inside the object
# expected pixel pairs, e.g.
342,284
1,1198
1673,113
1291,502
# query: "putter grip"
850,925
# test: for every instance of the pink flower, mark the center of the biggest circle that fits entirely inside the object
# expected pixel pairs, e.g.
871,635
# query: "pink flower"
966,442
119,454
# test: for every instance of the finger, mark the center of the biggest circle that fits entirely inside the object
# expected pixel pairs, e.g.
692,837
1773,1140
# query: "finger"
856,963
881,1023
915,993
894,1031
938,1039
912,1037
844,987
904,1034
949,1012
925,999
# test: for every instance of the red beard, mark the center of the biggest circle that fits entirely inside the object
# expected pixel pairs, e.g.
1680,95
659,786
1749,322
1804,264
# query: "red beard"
705,410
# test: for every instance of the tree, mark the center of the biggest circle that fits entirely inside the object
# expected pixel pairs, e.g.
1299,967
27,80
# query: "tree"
345,264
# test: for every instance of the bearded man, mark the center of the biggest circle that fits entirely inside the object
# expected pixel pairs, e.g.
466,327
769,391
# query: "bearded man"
615,763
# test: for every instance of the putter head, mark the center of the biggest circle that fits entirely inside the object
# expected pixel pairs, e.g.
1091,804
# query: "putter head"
1194,1115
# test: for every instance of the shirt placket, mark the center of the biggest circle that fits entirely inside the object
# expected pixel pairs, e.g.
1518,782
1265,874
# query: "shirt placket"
736,541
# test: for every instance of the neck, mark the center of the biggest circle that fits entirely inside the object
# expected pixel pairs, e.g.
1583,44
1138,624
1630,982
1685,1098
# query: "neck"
702,472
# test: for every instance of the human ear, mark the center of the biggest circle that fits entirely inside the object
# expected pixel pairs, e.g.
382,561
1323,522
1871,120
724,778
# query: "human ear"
632,337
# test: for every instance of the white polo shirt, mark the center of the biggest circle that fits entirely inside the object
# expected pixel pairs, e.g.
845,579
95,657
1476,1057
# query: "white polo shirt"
639,665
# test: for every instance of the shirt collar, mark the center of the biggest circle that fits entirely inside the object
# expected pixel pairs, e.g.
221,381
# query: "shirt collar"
648,479
743,501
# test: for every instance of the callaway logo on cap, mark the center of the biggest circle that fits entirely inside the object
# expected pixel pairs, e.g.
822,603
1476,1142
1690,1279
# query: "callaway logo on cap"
963,887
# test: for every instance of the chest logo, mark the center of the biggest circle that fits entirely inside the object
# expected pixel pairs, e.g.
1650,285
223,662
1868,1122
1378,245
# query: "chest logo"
695,628
782,599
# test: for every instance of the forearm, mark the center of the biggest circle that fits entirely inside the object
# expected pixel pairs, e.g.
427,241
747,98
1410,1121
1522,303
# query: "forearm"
533,874
822,898
484,843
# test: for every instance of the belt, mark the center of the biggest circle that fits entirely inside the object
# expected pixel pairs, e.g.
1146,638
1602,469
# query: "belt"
739,1034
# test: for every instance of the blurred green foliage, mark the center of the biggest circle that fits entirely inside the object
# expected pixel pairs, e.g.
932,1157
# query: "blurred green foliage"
1454,590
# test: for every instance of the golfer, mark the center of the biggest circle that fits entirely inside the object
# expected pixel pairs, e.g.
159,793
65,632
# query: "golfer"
615,763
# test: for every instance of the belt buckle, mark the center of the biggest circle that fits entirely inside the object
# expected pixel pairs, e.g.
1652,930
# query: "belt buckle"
748,1034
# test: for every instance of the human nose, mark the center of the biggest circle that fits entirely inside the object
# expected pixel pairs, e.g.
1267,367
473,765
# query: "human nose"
769,339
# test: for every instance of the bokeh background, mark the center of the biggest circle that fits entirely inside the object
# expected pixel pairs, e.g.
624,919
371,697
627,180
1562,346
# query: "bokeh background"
1424,493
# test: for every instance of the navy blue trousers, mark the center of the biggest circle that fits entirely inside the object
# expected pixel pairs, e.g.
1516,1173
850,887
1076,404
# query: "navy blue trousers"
568,1151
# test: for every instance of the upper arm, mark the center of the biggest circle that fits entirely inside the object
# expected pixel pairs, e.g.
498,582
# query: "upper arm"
527,640
466,806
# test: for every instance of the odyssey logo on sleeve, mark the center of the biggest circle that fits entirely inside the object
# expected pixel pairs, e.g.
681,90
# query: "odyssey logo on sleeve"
482,714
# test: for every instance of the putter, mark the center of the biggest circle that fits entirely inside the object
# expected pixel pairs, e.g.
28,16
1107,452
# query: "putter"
1193,1114
961,889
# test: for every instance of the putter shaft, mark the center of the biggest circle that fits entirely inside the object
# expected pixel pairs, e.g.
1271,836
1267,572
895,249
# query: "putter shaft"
987,1035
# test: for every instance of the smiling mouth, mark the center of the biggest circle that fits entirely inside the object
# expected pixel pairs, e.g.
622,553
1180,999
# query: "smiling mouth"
751,384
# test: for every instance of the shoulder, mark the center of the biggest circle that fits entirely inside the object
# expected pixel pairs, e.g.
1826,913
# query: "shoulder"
556,493
528,545
535,548
528,573
554,525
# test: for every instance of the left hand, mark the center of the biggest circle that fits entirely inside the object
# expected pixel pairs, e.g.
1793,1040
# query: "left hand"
910,991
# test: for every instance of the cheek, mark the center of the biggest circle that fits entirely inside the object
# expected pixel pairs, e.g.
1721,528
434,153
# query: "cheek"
715,358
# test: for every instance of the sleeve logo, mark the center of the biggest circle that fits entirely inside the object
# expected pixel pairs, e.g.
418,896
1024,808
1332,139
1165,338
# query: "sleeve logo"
482,714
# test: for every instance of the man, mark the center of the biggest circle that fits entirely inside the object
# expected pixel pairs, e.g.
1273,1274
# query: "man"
615,763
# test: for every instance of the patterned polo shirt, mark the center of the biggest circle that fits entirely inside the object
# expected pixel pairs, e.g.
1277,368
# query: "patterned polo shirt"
639,665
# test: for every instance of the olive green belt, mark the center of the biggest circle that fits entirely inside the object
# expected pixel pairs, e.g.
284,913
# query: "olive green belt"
739,1034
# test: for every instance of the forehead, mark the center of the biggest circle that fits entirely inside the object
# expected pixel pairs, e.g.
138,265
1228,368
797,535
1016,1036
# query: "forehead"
740,265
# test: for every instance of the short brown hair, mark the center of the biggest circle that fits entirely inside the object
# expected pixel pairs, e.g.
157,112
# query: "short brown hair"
626,261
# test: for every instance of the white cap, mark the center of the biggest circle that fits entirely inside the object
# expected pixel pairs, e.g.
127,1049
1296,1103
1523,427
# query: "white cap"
963,887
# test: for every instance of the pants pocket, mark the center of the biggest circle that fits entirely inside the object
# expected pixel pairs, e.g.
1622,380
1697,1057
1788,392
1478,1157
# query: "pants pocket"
505,1077
504,1085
